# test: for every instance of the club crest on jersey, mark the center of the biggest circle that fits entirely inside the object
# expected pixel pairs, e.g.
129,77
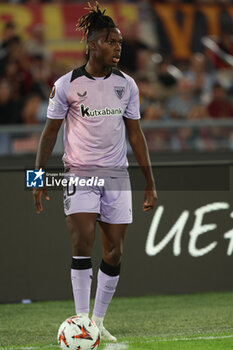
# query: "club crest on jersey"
120,91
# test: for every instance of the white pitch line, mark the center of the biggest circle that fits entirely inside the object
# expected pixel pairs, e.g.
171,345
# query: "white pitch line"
199,338
181,339
119,346
123,345
30,347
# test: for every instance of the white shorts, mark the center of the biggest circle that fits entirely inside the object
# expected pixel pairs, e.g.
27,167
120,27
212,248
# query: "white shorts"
113,201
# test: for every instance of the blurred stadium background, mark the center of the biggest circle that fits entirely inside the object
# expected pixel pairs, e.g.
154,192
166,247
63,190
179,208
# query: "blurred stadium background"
179,52
181,56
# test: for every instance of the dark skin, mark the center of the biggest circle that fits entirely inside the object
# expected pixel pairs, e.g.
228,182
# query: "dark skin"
104,54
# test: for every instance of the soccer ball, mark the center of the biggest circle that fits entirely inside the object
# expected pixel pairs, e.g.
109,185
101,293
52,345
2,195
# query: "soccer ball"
78,333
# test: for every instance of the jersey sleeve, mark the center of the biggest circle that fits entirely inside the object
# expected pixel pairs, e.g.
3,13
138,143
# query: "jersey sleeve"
58,101
132,110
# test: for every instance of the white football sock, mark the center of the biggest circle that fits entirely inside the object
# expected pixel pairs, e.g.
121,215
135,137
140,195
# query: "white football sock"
106,288
81,277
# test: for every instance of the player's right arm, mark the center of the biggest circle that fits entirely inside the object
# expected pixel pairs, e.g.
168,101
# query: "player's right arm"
57,110
46,145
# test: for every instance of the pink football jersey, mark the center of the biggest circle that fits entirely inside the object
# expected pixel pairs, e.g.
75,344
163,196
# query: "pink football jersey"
93,109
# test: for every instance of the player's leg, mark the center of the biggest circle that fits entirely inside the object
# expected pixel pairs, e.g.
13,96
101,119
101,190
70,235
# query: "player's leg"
81,207
112,236
81,227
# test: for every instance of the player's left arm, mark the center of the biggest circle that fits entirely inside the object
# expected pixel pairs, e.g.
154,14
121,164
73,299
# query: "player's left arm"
140,150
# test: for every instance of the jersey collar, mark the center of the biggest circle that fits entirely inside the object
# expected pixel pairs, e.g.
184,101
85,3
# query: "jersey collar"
90,76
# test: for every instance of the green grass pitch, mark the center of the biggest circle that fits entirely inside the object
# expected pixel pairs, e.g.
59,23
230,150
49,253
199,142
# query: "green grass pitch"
175,322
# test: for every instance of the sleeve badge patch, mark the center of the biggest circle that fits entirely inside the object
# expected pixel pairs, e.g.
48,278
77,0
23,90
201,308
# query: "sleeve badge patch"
52,94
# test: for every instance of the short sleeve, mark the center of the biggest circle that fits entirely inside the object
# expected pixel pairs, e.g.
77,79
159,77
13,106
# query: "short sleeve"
132,110
58,101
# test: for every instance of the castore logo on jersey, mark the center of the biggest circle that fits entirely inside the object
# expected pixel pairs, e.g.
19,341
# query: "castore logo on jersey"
82,95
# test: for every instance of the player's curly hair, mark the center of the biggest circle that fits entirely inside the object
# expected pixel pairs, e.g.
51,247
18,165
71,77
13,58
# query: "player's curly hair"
94,21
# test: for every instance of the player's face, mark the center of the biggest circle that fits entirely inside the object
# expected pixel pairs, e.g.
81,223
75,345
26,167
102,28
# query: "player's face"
108,48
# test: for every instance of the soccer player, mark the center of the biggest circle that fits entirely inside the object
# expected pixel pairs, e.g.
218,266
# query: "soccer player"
99,104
